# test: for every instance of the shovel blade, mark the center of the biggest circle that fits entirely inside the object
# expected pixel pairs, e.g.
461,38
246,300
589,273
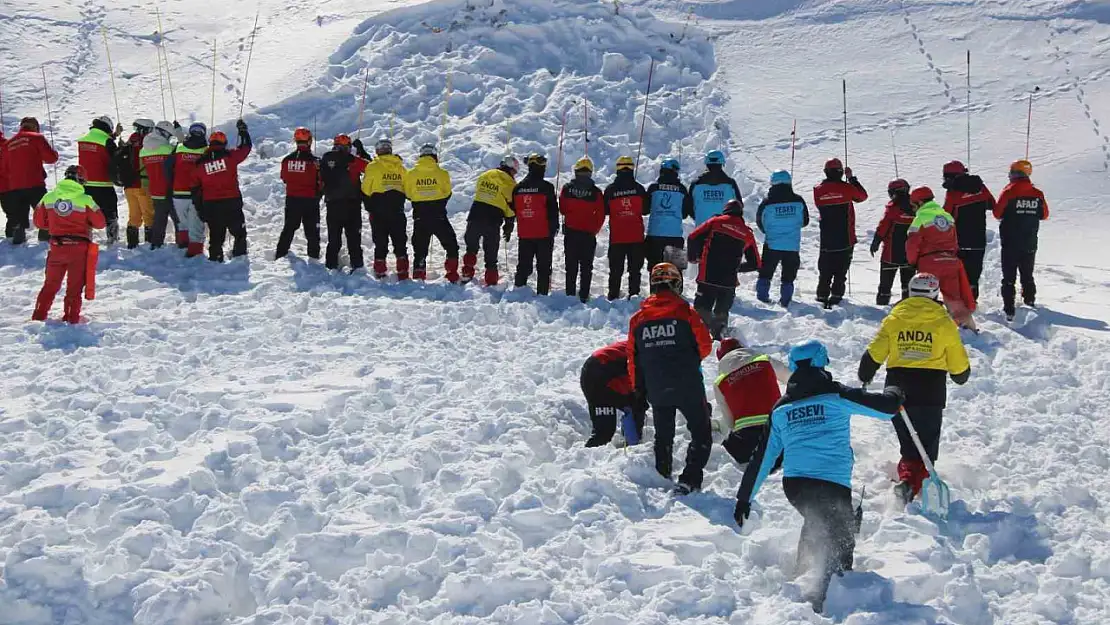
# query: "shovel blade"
936,497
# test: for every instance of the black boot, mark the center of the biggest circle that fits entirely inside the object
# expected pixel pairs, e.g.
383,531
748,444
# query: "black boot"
19,236
132,237
882,299
239,247
148,235
112,230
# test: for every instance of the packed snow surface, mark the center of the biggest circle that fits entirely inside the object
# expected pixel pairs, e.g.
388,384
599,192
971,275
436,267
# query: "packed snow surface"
270,442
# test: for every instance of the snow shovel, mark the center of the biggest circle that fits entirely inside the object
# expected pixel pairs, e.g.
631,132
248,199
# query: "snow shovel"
936,497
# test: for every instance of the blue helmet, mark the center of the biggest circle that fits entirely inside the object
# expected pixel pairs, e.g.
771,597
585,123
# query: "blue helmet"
670,163
716,157
813,351
781,177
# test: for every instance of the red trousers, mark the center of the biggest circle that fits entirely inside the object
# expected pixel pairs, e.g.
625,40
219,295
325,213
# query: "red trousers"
67,259
954,285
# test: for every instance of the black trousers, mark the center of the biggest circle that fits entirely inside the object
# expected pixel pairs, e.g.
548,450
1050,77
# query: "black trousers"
887,271
17,209
163,213
6,205
713,303
621,255
927,421
301,211
657,245
832,268
1013,263
108,202
540,252
579,248
485,235
423,229
386,225
829,526
225,217
344,219
741,444
701,439
973,265
605,404
791,261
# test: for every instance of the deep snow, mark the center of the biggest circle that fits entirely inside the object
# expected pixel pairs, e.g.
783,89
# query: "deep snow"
269,442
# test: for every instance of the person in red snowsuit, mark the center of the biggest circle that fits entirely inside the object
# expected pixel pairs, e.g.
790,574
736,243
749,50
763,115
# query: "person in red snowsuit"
216,192
68,214
626,203
969,201
1020,210
836,199
891,235
608,392
582,204
24,155
722,246
932,247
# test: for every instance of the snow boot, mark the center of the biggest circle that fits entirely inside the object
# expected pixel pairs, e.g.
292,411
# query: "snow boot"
402,268
763,290
132,237
684,488
1029,298
239,247
19,236
182,240
786,294
469,261
148,236
492,277
452,267
112,230
613,296
194,249
882,299
380,269
904,492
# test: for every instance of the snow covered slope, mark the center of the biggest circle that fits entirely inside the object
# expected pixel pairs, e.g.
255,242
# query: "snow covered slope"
268,442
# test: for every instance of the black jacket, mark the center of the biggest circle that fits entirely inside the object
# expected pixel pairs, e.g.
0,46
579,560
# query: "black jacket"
335,172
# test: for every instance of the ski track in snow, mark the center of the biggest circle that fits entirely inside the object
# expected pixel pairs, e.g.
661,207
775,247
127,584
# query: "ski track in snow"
271,442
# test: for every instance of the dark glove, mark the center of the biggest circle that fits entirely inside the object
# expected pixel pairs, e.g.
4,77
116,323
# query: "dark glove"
119,130
743,511
357,145
241,126
176,126
875,243
507,229
848,173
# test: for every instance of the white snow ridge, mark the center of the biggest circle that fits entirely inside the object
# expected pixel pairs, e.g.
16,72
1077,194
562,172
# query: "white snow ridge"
268,442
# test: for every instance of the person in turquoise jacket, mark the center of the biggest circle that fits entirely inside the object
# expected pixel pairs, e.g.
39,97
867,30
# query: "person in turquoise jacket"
669,205
713,189
811,428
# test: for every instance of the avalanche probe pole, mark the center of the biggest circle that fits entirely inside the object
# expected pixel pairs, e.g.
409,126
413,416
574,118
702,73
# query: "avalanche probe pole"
362,104
844,90
446,105
969,108
1,107
1029,121
161,83
559,153
111,72
49,119
166,58
586,125
247,71
213,125
894,151
643,118
793,141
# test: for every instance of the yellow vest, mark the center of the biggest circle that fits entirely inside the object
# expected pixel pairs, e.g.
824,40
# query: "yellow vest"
919,334
383,174
427,181
495,187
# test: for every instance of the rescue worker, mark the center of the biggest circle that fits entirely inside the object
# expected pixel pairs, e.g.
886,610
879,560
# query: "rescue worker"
96,152
713,189
747,388
157,149
1020,210
69,215
932,248
780,217
300,171
667,341
383,184
582,204
537,220
491,211
179,172
609,397
722,247
24,156
836,202
135,181
217,195
921,346
428,187
341,176
626,203
668,205
891,236
969,201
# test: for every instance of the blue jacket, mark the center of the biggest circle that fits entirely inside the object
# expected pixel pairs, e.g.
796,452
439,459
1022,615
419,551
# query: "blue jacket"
670,204
710,192
811,427
781,216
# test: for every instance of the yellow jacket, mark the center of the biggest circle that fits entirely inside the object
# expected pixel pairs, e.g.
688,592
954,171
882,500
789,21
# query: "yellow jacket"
495,187
427,181
384,174
919,334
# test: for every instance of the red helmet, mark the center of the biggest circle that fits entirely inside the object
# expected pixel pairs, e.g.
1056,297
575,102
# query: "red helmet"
302,135
341,140
834,163
954,168
921,195
217,138
897,185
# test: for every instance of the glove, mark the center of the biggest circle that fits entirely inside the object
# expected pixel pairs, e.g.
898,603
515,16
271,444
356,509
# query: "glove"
507,230
897,392
875,243
848,173
119,130
742,512
241,126
358,145
176,126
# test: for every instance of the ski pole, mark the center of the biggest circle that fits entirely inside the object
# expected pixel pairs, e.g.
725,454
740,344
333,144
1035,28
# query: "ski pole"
247,72
213,125
1029,121
166,58
793,141
643,118
969,108
362,104
111,72
894,151
844,86
49,118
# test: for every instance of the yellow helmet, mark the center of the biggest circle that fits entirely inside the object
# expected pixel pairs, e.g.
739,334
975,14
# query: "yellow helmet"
625,162
584,164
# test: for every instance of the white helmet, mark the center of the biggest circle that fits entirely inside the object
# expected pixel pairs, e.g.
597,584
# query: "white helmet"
165,129
925,285
143,125
429,149
107,121
383,146
510,162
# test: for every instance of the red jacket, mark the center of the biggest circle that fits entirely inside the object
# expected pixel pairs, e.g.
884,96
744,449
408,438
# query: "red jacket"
68,212
835,201
356,169
723,246
893,231
155,165
217,173
583,206
24,155
932,233
300,171
1021,208
180,168
614,358
536,208
968,200
667,340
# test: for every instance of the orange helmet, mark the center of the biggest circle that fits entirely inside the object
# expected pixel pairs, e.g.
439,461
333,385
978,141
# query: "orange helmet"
1023,167
302,135
342,140
665,276
217,137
